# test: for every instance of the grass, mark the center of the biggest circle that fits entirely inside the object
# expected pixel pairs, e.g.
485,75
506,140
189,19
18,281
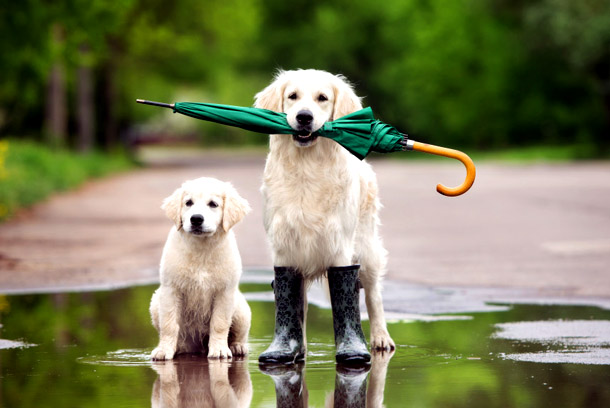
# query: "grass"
540,153
521,154
30,172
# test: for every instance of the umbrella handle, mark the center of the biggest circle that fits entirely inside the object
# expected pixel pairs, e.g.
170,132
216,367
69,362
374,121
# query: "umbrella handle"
454,154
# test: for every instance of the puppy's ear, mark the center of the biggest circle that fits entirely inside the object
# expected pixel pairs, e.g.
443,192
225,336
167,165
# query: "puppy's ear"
272,96
346,100
172,206
234,210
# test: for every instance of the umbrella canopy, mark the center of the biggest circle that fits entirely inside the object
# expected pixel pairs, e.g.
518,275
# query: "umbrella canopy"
253,119
359,132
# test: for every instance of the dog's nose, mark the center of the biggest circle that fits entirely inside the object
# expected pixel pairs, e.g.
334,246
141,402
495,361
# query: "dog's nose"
197,220
304,117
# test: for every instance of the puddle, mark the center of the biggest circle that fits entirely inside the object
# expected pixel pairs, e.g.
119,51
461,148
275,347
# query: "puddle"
564,341
12,344
91,349
120,358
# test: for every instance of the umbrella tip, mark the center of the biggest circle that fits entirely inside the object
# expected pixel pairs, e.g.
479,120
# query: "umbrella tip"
163,105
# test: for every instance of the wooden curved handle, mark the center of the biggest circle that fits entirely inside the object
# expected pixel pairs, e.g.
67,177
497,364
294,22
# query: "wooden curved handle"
454,154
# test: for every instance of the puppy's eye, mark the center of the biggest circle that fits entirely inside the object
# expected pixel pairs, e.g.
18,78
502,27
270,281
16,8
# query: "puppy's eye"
322,98
212,204
292,96
188,203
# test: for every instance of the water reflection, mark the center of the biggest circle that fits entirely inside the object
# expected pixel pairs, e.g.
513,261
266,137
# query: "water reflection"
290,387
93,349
193,381
350,384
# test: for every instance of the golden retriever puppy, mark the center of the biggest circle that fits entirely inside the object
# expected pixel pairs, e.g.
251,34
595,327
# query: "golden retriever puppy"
198,306
320,201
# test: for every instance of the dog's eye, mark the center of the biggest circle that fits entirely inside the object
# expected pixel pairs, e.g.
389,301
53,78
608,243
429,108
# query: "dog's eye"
292,96
213,204
188,203
322,98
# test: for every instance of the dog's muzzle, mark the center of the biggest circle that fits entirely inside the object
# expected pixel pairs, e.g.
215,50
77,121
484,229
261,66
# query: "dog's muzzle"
304,128
197,224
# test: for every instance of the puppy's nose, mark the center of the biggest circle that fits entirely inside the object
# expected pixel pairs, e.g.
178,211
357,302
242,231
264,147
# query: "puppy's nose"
304,117
197,220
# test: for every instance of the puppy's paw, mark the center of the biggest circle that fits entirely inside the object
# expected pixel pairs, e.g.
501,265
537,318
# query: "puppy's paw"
216,351
239,349
382,342
163,352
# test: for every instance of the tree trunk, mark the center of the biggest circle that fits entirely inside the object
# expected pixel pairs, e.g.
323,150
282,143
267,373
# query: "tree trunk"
601,70
56,122
109,97
85,102
605,137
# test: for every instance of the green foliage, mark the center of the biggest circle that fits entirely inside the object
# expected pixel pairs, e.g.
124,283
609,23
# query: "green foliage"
452,73
31,172
580,28
472,73
576,35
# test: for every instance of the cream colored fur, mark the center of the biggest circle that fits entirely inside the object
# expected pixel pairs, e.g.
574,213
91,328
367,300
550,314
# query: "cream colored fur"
321,202
198,306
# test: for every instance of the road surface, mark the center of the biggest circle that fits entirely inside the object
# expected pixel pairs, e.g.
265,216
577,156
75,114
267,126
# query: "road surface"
537,227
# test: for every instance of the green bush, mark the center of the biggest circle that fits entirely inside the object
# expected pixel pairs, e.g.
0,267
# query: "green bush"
30,172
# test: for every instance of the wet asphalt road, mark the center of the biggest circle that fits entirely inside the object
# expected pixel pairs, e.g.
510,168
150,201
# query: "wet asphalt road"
540,230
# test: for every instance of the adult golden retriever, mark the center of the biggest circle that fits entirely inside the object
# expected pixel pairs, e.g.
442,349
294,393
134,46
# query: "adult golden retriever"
321,202
198,306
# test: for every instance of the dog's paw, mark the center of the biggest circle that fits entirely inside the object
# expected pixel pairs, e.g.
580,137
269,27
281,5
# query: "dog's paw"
239,349
382,342
162,352
219,352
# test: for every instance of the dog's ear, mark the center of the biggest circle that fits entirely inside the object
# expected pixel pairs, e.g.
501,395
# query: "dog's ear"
172,206
346,100
272,96
235,208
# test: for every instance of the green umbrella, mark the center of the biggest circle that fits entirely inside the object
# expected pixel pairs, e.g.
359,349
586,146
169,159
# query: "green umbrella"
359,132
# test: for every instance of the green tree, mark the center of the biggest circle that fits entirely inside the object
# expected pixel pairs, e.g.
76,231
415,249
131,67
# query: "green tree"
486,73
580,31
25,58
440,70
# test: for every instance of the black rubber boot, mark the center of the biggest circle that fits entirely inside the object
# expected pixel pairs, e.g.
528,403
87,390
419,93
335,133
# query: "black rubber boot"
344,289
287,346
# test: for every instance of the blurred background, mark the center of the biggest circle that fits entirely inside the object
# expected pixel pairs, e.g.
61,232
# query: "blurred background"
478,75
